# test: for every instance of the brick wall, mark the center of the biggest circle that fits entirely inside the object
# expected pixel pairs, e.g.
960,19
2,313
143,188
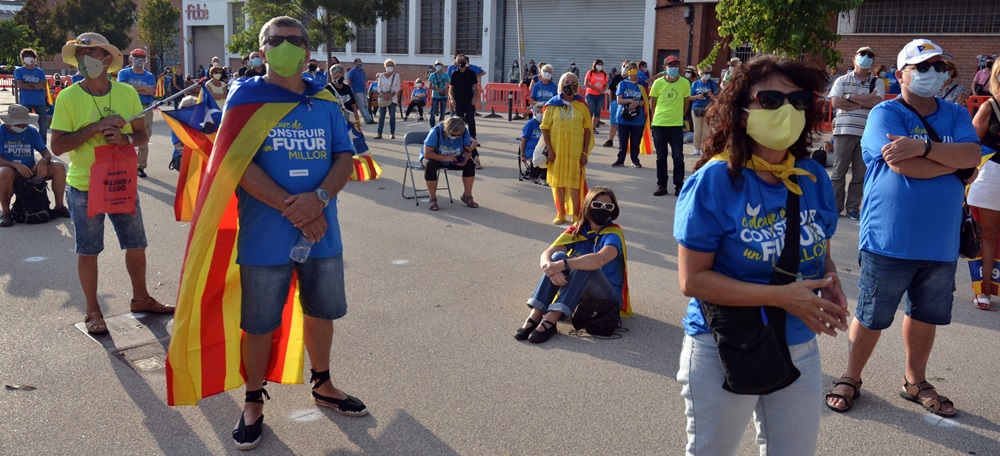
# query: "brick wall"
672,33
963,49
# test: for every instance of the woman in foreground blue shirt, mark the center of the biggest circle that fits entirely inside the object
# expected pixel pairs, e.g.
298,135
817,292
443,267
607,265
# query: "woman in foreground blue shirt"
730,223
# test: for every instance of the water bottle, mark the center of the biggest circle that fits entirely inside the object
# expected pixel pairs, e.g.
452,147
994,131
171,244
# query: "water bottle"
300,251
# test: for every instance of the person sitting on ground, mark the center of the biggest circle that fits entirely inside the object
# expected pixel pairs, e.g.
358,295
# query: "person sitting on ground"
531,133
18,143
449,145
587,260
418,99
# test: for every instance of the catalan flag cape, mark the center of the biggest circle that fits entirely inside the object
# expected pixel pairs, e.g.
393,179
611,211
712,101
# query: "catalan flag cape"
568,203
196,127
204,354
365,167
981,285
567,238
646,145
160,87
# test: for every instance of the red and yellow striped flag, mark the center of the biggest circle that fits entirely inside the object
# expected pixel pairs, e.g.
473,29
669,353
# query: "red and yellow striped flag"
160,88
646,145
365,168
204,355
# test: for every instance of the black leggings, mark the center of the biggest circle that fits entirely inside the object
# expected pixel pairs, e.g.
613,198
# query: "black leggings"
432,167
419,104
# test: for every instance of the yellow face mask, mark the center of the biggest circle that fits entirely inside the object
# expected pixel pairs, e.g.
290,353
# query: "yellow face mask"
632,72
776,129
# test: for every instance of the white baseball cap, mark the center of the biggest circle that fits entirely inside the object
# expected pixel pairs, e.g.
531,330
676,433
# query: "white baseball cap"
917,51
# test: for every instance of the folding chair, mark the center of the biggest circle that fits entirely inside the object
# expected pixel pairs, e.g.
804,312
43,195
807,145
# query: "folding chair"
413,163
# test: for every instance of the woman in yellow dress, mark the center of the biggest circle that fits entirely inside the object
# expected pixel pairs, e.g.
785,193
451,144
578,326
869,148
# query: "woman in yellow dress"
566,130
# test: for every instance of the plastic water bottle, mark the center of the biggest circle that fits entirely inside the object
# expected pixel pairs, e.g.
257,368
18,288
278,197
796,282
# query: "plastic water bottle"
300,251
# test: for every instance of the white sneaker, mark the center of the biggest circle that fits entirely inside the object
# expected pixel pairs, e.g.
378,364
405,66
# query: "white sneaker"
697,152
982,302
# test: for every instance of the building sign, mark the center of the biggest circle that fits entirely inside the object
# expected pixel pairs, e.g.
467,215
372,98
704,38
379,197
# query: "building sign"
196,12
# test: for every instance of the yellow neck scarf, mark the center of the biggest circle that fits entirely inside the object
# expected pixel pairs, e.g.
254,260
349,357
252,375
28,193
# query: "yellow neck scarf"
782,170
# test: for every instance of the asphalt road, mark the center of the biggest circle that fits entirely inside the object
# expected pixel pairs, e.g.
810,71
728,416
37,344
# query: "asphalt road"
427,343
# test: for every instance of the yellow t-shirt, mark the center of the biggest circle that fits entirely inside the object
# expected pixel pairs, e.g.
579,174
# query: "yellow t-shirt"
670,98
75,109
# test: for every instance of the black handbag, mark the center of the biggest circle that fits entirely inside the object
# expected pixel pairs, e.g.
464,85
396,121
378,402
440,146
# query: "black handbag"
751,340
970,243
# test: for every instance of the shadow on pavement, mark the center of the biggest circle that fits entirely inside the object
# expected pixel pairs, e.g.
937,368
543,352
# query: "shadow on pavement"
403,435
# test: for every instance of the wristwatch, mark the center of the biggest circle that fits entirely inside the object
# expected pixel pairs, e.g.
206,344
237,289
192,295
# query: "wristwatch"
847,97
323,196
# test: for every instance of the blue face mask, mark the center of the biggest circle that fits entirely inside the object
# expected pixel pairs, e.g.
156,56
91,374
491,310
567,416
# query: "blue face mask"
672,72
881,74
256,62
865,62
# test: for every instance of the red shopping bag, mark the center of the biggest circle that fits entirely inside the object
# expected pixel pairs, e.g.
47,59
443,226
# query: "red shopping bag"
113,186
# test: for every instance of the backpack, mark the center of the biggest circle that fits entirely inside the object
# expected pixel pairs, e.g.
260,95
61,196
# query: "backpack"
599,317
31,201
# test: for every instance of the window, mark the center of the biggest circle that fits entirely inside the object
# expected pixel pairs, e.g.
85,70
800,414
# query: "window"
469,27
915,17
431,27
238,24
744,52
364,40
397,31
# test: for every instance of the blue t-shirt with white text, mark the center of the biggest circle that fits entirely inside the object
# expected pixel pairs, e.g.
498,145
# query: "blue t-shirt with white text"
631,91
543,92
744,226
904,217
698,88
297,155
21,147
533,132
454,147
130,77
32,76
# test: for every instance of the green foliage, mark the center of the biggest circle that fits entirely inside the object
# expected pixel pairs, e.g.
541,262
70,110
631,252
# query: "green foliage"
711,57
111,18
38,17
13,38
329,26
789,28
158,29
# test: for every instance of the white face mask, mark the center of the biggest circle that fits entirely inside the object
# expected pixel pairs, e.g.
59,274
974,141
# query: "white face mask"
418,85
926,85
599,67
138,62
546,75
390,68
29,60
17,130
538,116
90,67
706,77
217,76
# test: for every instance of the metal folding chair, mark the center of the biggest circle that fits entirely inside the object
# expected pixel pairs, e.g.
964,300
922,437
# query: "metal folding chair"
416,138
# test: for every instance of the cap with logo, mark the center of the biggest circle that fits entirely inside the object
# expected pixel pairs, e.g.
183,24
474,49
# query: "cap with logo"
917,51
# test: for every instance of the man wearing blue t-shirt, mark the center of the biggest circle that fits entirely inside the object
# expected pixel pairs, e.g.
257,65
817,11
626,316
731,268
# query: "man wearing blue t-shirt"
358,81
18,144
30,83
145,83
918,151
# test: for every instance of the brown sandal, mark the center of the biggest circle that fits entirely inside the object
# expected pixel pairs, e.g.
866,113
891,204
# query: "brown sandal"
95,323
434,205
933,404
467,199
848,399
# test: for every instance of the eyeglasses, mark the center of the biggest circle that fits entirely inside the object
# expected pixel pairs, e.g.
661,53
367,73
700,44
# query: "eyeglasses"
922,67
867,54
276,40
773,99
600,205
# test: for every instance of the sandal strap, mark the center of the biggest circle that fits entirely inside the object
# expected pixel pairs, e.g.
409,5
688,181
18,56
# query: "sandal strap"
319,377
547,326
848,381
255,396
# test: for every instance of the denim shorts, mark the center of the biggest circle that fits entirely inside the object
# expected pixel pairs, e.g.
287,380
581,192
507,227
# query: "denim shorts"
89,231
265,289
929,288
596,104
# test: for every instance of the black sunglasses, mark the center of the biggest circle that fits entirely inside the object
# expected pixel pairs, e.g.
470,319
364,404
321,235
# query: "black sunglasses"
922,67
276,40
773,99
867,54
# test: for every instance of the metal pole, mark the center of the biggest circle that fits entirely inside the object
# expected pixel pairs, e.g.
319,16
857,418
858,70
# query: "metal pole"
520,36
166,100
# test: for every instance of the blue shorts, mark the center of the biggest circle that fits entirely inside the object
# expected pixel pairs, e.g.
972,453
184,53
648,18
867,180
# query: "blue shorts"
613,113
929,288
265,289
596,104
89,231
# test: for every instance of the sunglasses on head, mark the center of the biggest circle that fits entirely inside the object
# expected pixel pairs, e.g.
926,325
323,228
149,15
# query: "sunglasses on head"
922,67
773,99
276,40
600,205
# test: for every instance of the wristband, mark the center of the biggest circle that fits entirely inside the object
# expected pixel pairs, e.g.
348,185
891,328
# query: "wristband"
927,147
565,265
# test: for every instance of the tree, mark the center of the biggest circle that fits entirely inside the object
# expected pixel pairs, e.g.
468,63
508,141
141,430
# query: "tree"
38,17
111,18
326,20
158,29
790,28
13,38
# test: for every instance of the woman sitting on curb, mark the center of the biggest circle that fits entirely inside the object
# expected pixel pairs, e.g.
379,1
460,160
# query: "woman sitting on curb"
587,260
449,146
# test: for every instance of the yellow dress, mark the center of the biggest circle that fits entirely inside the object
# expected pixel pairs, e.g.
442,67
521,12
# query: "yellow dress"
566,125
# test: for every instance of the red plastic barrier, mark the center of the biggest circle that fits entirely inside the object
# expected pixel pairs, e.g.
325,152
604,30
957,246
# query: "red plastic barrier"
6,82
827,108
972,103
496,97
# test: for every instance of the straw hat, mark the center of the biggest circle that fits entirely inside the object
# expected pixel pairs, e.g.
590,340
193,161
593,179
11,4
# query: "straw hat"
18,115
91,39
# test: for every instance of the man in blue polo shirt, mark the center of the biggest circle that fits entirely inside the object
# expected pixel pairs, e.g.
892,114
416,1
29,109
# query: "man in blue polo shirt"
30,82
144,83
18,143
358,81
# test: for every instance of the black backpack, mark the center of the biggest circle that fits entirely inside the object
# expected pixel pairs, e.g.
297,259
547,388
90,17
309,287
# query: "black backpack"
31,201
599,317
